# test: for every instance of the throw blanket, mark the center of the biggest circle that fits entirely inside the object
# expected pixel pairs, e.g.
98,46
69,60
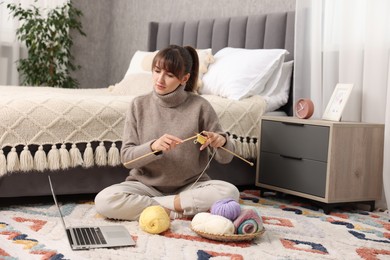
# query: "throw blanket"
65,118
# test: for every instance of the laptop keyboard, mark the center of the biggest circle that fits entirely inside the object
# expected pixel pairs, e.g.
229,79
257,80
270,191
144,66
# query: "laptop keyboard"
89,236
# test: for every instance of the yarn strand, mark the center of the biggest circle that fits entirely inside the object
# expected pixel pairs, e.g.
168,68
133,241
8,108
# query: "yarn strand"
204,170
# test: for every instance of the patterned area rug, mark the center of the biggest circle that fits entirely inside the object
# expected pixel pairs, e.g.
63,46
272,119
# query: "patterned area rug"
294,230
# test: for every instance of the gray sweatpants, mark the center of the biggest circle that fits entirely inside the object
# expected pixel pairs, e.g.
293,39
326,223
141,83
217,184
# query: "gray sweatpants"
128,199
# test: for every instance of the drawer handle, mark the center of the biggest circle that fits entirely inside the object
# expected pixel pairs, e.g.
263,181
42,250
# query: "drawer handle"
291,157
293,124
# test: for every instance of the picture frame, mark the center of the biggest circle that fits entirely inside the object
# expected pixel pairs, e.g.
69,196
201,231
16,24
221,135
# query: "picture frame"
337,102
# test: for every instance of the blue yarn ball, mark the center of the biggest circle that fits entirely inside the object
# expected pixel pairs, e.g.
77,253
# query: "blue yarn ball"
228,208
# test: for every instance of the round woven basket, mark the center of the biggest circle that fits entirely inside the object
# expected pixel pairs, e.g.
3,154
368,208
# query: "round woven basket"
230,237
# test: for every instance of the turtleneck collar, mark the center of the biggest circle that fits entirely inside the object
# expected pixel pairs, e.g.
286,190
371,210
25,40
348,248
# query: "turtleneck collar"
172,99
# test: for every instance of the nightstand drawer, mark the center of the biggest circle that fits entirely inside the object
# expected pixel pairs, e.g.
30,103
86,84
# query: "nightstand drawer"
296,140
305,176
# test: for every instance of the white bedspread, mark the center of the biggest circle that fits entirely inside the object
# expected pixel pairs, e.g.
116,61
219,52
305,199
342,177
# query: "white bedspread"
44,115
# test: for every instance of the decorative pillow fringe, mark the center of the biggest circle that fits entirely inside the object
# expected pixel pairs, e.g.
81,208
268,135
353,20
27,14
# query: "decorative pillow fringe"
101,155
88,157
26,160
13,163
53,158
3,163
40,160
75,156
113,155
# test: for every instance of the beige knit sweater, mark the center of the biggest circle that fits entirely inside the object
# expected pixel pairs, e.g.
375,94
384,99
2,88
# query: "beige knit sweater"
182,114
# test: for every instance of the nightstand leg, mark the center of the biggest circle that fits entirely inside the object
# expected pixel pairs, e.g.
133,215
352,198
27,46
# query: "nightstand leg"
327,208
371,203
262,193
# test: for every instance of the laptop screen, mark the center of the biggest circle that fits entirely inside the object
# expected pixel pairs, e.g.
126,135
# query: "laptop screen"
55,201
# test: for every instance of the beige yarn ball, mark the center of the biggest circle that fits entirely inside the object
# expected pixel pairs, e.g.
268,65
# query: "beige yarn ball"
213,224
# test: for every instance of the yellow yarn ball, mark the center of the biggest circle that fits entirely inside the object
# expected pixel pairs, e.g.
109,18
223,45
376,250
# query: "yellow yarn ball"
154,220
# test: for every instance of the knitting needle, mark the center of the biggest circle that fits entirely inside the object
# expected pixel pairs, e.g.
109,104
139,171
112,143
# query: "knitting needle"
146,155
202,139
248,162
139,158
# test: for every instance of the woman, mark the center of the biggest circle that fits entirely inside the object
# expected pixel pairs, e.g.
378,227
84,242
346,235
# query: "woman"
160,121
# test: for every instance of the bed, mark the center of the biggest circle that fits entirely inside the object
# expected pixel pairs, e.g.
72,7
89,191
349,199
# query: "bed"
75,135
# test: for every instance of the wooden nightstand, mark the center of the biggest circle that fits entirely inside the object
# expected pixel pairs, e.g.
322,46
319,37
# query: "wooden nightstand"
329,162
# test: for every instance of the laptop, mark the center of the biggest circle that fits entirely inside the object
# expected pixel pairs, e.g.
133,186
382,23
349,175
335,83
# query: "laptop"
87,237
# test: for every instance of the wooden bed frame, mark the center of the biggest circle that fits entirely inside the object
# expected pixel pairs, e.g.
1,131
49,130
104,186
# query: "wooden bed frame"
274,30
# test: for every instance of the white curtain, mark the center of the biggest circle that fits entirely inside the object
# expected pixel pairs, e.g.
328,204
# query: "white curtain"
346,41
10,49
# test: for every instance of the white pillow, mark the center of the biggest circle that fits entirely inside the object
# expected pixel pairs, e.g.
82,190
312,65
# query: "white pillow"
141,62
134,84
239,73
273,80
278,96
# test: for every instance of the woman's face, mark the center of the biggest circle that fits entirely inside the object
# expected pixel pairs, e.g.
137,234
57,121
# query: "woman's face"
166,82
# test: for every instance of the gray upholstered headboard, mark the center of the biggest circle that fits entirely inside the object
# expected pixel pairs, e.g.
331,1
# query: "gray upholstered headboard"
264,31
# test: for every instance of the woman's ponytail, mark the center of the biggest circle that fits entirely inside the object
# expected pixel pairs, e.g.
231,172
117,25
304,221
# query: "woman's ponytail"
192,82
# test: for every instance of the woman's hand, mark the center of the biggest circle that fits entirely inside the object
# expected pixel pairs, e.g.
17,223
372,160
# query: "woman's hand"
213,139
166,143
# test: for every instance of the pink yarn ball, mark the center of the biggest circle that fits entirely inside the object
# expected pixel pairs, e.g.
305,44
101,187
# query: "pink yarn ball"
228,208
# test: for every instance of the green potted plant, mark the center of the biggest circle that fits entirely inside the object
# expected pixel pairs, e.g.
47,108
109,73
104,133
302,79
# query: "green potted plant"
48,42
